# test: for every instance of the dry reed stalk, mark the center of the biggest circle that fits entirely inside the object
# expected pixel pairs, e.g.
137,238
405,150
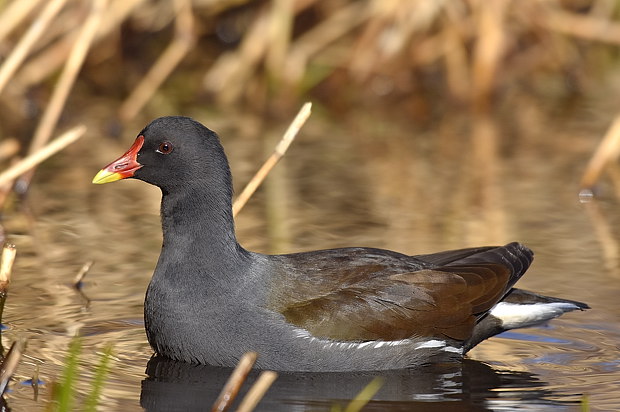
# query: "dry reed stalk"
6,267
607,150
49,60
228,76
79,277
8,148
489,50
582,26
116,14
605,235
232,386
455,60
613,172
35,382
10,363
277,154
67,77
14,13
315,40
456,32
366,44
44,64
34,159
257,391
5,190
455,52
428,50
488,217
37,28
181,44
391,25
279,34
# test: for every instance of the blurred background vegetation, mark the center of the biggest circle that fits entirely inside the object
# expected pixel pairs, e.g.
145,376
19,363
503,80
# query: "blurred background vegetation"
265,56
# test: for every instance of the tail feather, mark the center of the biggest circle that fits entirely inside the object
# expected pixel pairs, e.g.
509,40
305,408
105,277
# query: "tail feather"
515,256
516,308
521,309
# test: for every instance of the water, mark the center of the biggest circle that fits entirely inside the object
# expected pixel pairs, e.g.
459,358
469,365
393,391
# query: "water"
368,180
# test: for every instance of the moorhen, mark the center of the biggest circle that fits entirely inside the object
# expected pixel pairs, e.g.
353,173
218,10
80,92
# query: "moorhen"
350,309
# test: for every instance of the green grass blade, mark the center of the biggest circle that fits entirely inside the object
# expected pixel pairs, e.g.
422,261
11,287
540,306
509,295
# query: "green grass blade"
585,403
365,395
64,395
90,405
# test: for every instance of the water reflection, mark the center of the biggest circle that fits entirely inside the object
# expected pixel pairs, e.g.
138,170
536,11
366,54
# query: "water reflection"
470,386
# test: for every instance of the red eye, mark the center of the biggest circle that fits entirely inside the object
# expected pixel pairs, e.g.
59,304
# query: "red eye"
165,148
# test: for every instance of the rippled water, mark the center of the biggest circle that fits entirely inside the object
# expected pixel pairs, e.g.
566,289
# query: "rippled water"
366,180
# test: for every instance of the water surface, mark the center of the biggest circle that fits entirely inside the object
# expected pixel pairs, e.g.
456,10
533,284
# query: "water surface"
366,180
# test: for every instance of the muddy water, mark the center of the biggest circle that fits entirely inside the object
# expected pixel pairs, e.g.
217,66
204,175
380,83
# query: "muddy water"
367,180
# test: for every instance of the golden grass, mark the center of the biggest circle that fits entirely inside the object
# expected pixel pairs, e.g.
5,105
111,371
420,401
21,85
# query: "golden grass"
253,52
470,42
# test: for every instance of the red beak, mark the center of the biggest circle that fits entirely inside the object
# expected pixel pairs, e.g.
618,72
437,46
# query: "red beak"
123,167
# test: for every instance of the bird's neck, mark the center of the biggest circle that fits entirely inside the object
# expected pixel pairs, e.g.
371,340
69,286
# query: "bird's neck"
197,222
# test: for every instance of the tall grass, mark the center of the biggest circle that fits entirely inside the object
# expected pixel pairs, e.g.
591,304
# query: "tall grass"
268,55
236,50
474,47
64,391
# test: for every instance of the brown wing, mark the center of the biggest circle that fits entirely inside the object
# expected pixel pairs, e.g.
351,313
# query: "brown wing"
441,302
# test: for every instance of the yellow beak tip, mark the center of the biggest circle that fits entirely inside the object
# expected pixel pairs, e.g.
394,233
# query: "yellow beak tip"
103,176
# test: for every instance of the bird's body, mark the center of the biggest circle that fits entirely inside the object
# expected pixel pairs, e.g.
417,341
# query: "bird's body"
210,300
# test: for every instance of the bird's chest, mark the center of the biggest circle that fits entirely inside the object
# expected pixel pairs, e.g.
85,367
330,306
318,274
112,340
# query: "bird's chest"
195,321
185,326
190,302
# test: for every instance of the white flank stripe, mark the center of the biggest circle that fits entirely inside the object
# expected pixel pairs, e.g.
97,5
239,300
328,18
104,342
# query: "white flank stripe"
375,344
431,344
453,349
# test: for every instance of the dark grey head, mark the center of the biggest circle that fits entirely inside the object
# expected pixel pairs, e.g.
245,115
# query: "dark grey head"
172,152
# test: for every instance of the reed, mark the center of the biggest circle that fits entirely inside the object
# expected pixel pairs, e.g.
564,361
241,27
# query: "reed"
9,363
286,41
67,77
241,49
79,277
277,154
31,161
182,43
26,43
607,151
257,391
6,269
233,385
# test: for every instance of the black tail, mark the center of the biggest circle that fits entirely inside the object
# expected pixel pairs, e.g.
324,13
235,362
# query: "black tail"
514,256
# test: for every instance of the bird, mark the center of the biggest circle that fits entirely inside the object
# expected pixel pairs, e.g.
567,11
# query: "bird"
210,300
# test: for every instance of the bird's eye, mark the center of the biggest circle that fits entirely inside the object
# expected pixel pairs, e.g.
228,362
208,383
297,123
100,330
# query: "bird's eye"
165,148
